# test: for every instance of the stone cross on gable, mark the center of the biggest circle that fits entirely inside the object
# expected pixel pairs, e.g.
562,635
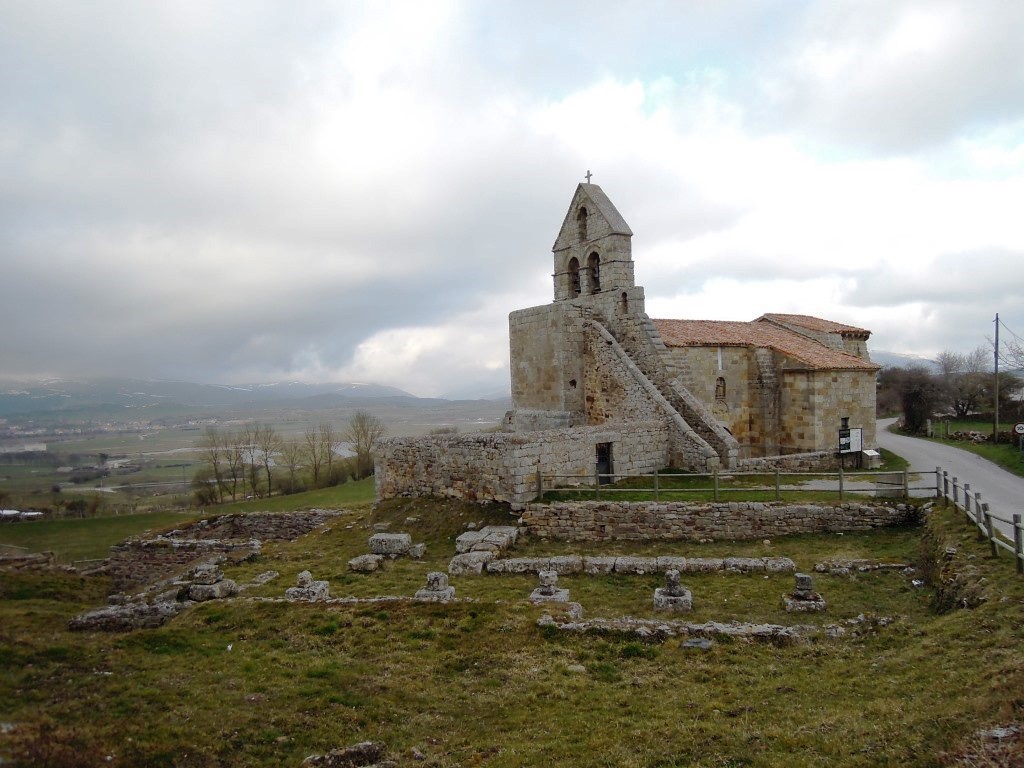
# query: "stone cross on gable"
589,174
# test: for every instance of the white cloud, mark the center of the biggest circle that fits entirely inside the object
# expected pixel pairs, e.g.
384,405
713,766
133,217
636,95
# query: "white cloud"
241,191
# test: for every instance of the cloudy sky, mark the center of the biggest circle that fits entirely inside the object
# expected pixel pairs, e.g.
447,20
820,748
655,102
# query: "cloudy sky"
252,191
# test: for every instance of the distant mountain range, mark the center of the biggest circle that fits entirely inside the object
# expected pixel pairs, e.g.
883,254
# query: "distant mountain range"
900,360
22,398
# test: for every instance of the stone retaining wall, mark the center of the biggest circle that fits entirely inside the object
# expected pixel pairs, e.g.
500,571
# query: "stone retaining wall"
818,461
641,521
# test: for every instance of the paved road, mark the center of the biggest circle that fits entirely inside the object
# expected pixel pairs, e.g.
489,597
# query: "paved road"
1003,490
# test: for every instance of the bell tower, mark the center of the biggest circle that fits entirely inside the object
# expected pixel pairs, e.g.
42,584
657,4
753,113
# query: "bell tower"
593,251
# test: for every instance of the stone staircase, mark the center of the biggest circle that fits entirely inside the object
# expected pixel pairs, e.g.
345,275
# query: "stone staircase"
687,413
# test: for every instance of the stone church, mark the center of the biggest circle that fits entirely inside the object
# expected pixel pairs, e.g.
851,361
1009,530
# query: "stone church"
599,388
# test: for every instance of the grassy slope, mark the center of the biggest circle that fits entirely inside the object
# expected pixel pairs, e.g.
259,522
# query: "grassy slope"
92,538
477,683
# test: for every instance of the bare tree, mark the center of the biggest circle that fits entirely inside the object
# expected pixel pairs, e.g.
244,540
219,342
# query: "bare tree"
363,433
234,456
314,453
291,455
267,443
212,445
330,441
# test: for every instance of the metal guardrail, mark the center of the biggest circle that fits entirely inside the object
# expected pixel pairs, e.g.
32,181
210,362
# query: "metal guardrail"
978,512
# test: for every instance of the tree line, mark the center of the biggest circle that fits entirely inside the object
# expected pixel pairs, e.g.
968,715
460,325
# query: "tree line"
255,461
957,386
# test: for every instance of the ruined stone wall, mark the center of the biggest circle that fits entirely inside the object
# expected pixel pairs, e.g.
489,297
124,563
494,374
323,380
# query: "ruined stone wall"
503,466
642,521
137,561
266,526
816,461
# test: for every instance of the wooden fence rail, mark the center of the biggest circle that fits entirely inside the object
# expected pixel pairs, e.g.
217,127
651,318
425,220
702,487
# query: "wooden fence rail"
720,484
970,503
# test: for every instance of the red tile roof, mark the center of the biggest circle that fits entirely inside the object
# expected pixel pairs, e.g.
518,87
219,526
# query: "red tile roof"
724,333
816,324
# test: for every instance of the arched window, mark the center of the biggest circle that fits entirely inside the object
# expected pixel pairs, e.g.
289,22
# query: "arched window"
574,277
581,224
720,389
624,303
594,268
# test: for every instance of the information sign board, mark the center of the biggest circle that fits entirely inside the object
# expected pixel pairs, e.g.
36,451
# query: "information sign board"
851,440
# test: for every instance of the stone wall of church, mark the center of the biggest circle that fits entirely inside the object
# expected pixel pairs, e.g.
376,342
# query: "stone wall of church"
813,404
739,408
502,466
547,358
643,521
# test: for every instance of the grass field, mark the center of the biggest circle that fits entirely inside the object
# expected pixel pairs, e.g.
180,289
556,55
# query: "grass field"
1007,455
477,682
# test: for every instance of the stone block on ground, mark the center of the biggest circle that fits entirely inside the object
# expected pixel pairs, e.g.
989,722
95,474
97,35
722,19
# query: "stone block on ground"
366,754
126,617
437,588
465,541
681,603
469,563
671,563
223,588
779,565
366,563
308,589
564,564
390,543
703,564
743,564
207,573
518,565
599,566
636,565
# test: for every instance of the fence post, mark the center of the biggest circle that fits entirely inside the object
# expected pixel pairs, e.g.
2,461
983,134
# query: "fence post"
840,482
716,483
956,496
906,484
778,494
938,482
655,485
988,529
945,489
597,484
540,484
1018,543
979,518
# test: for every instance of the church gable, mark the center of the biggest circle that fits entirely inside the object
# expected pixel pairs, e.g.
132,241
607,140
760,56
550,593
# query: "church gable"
591,216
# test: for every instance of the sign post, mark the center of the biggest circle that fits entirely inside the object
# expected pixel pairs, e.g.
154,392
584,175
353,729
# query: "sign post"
1018,430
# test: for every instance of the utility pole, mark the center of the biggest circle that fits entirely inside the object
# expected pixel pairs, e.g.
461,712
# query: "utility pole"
995,426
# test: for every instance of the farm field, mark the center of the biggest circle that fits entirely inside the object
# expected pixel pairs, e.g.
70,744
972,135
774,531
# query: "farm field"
245,682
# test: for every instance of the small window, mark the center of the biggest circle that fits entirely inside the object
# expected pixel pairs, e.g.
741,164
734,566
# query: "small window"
624,304
581,224
594,268
720,389
574,277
